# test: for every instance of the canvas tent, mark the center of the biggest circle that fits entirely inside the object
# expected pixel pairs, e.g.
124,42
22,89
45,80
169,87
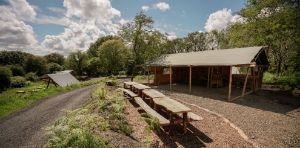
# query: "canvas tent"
212,68
62,79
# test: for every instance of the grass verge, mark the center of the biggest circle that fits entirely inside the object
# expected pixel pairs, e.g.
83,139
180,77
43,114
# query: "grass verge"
14,99
82,127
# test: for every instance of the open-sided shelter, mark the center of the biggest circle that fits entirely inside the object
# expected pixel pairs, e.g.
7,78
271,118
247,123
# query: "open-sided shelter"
213,68
63,78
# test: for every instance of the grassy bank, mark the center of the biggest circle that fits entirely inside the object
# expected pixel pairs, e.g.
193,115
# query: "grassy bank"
290,80
83,127
11,100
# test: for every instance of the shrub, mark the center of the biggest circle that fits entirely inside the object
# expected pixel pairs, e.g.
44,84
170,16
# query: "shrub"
5,80
31,77
18,82
53,67
17,70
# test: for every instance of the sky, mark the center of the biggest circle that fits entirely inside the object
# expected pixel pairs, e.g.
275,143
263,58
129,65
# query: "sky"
45,26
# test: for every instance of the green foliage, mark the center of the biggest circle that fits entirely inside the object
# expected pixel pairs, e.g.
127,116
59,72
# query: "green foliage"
112,56
94,48
94,67
55,58
152,122
53,67
292,80
31,76
12,57
5,80
36,64
18,82
77,61
17,70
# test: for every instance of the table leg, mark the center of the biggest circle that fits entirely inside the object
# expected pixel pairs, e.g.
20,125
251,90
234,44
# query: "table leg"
184,122
171,124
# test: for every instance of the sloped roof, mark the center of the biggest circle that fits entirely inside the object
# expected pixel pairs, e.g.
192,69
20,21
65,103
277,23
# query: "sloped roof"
63,78
220,57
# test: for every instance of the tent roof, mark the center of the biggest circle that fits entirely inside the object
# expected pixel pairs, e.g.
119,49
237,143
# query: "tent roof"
63,78
220,57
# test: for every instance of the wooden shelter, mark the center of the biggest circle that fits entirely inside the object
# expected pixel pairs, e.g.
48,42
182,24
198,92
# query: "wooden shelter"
61,78
213,68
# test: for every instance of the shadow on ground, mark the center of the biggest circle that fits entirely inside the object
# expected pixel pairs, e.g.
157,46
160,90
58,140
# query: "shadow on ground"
274,101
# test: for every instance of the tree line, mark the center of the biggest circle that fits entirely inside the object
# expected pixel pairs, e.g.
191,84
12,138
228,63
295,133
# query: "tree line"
270,23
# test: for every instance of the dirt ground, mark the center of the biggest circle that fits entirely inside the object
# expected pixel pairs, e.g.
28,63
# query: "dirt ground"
270,119
25,127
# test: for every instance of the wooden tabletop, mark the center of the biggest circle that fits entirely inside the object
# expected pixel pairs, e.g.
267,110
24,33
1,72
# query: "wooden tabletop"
130,83
171,105
140,86
153,93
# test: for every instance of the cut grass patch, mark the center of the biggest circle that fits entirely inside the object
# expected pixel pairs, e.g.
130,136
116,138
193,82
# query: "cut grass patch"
11,100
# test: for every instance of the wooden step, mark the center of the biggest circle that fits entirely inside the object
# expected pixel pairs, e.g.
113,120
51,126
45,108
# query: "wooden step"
150,111
129,93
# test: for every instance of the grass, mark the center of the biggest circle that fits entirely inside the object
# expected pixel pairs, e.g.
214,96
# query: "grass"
81,127
291,80
11,101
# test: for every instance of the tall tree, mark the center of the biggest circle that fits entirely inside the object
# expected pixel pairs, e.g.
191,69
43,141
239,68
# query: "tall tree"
55,58
94,47
77,61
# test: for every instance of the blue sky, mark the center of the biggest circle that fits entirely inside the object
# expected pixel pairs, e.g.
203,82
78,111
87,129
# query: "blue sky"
64,26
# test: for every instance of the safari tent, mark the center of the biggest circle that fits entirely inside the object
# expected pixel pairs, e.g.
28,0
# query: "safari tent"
223,68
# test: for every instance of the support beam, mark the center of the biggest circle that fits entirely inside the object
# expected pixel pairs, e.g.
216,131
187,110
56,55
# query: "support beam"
170,77
155,76
211,76
245,82
230,81
148,75
190,79
208,76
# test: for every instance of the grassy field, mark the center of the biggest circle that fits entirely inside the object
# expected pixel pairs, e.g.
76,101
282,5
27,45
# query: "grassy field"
11,101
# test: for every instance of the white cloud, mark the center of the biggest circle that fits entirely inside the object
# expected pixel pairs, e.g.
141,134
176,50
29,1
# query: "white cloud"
145,8
15,33
220,20
57,10
171,35
162,6
87,21
22,10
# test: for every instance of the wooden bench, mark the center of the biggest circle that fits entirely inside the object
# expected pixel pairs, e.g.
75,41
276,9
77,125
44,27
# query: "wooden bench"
128,93
192,117
162,120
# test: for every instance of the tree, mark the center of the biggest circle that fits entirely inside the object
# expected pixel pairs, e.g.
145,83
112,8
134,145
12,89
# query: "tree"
36,64
135,32
112,56
54,67
94,47
13,57
55,58
77,61
5,78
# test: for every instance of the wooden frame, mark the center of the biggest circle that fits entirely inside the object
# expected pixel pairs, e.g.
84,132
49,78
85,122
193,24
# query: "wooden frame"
190,79
230,83
170,77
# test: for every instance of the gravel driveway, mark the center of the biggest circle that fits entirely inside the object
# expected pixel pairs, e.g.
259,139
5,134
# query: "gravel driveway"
25,127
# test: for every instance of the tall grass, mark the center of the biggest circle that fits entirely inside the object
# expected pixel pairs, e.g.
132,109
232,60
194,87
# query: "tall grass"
81,127
292,79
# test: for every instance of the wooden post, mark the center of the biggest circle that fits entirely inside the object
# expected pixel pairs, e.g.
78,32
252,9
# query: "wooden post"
230,81
208,76
155,81
170,77
211,76
148,75
190,79
245,83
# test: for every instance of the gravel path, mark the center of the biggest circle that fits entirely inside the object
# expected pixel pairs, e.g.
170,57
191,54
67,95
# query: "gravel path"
25,127
265,121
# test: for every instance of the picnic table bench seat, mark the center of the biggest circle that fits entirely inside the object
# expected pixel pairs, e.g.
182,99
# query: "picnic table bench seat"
192,117
128,93
162,120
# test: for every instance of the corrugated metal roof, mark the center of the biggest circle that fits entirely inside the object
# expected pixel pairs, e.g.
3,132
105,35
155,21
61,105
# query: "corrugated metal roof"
222,57
63,79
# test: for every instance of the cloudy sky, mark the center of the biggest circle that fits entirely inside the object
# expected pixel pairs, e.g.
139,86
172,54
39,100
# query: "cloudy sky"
63,26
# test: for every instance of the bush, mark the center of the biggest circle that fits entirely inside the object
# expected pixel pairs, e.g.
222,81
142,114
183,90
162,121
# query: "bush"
31,77
5,79
18,81
17,70
53,67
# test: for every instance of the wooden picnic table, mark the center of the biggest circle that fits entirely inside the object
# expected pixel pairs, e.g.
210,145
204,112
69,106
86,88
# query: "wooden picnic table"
139,88
174,108
129,84
151,93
